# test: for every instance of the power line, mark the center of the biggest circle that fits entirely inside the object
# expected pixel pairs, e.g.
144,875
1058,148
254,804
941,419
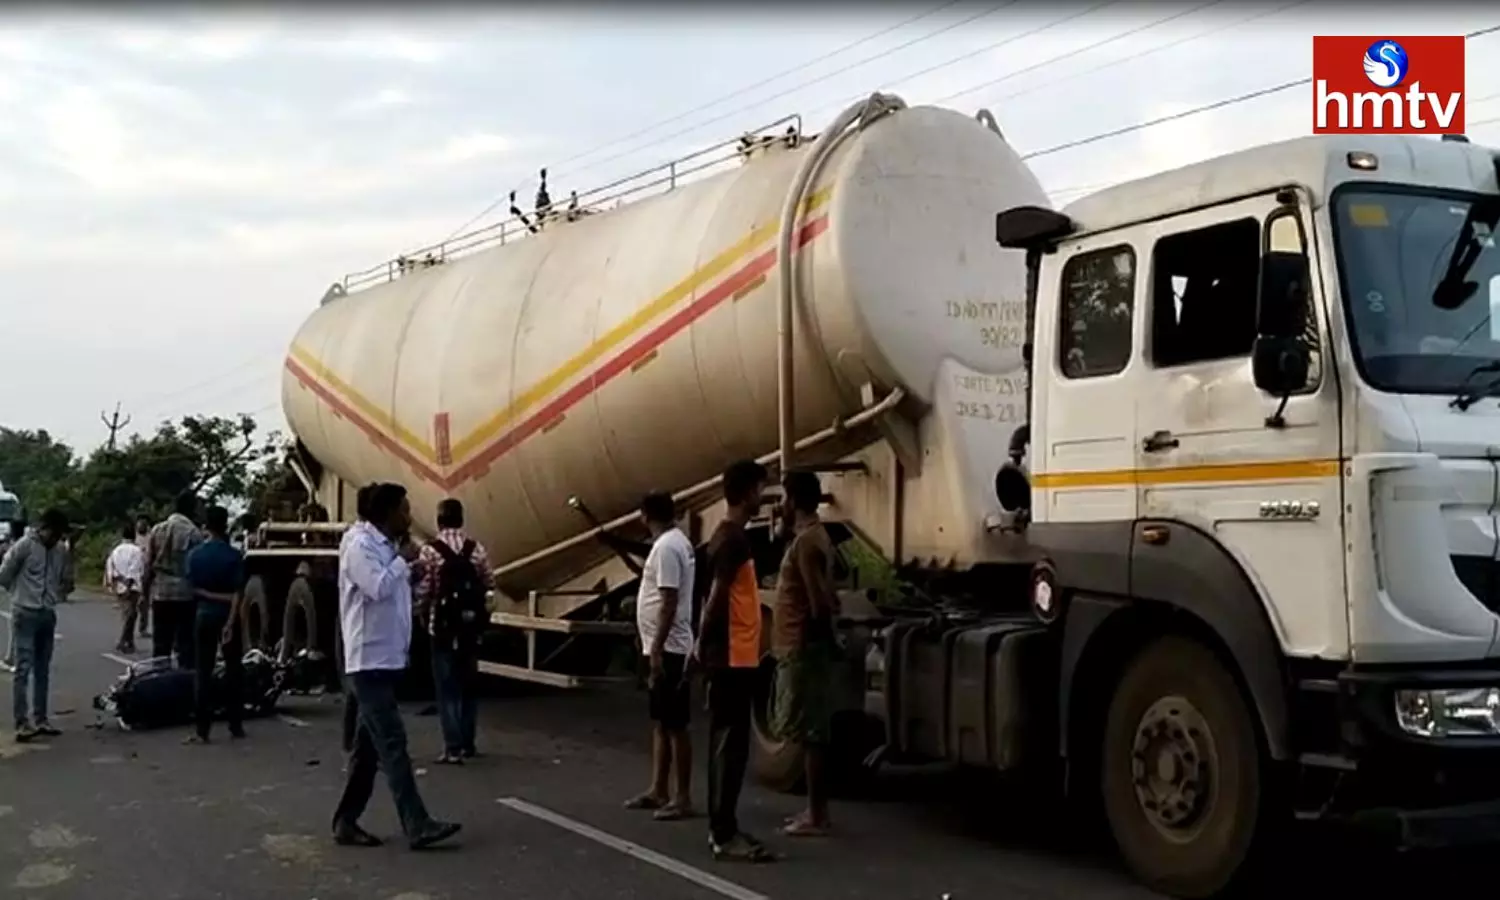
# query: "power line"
1206,107
151,401
239,384
1162,120
1187,39
1079,51
792,90
744,90
954,60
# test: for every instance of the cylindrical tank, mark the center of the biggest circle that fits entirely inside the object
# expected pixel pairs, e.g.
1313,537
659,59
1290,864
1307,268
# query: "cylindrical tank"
636,349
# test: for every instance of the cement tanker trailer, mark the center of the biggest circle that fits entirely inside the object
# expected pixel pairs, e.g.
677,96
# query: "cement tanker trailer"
632,341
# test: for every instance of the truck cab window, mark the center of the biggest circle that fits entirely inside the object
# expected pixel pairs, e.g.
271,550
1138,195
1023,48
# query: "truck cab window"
1203,286
1096,313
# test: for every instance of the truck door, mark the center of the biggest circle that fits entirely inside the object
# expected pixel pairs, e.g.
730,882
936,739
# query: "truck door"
1084,416
1206,455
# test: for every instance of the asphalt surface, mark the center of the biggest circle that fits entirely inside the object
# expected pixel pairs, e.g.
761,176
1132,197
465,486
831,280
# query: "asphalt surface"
107,814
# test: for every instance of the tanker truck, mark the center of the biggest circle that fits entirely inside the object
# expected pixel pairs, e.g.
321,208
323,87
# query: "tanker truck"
1188,489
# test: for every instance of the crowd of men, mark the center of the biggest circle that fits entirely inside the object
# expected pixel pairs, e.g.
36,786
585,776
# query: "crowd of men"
723,642
181,582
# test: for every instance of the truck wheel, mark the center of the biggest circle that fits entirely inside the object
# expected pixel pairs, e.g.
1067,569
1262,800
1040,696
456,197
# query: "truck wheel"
255,616
778,763
1183,771
775,762
299,598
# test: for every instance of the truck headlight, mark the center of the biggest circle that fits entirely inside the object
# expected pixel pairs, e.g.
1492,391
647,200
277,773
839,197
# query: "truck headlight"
1449,712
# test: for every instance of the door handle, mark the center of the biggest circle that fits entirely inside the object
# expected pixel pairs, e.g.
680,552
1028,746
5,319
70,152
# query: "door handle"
1159,441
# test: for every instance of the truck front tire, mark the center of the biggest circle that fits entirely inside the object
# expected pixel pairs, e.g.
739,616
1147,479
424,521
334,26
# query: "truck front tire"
1183,773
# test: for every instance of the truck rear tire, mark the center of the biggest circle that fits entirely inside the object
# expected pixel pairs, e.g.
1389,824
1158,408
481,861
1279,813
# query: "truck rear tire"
255,614
1183,772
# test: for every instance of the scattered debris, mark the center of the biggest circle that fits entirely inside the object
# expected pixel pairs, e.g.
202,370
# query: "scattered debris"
56,837
42,875
292,849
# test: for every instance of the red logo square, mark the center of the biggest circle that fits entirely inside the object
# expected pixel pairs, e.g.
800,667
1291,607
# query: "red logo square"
1388,85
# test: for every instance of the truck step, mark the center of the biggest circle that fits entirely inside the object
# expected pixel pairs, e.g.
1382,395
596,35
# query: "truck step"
1319,685
1328,761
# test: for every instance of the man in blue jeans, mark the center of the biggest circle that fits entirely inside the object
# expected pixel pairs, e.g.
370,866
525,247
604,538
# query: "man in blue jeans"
375,609
215,570
452,592
38,574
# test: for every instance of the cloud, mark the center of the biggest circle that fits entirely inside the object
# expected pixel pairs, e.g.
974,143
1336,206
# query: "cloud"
342,240
219,43
384,99
383,46
470,147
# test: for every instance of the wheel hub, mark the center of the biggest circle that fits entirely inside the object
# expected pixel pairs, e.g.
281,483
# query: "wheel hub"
1171,764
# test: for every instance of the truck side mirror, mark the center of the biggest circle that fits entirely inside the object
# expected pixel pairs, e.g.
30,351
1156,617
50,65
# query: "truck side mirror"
1281,358
1012,488
1280,365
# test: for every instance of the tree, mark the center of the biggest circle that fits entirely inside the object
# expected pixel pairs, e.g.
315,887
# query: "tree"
35,466
210,455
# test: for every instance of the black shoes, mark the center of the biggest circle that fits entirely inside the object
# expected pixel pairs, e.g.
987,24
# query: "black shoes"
354,836
432,833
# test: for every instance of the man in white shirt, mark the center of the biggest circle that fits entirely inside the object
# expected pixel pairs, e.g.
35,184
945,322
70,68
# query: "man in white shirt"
664,617
351,705
375,609
124,571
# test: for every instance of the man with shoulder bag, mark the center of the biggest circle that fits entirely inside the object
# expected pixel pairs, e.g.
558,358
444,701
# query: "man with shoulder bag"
453,594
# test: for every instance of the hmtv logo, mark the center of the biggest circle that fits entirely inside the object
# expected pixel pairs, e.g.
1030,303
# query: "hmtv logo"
1373,85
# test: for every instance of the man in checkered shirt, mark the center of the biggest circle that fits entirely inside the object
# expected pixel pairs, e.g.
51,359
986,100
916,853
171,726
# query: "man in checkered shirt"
455,658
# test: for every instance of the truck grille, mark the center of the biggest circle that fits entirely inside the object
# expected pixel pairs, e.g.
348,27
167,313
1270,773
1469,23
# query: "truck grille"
1481,575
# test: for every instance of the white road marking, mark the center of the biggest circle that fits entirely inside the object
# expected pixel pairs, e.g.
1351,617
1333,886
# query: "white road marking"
118,659
665,863
291,720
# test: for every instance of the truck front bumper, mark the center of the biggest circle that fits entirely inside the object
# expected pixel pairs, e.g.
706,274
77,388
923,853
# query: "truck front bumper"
1421,787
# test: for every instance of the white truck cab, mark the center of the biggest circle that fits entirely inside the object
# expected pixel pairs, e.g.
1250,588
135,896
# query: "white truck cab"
1264,422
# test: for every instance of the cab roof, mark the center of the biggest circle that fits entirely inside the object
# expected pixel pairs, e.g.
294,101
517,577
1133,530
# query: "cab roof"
1319,163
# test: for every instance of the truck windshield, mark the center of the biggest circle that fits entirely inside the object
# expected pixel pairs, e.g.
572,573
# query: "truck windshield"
9,509
1394,247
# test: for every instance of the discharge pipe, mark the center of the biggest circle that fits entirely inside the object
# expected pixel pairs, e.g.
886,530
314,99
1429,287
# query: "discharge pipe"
845,125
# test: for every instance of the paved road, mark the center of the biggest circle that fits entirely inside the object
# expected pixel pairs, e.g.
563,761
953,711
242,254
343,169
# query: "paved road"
100,813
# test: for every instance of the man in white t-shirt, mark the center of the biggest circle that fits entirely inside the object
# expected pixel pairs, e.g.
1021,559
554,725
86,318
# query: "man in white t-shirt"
664,616
124,571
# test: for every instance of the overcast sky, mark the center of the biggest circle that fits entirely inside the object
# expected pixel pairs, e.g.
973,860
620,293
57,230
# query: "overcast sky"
179,189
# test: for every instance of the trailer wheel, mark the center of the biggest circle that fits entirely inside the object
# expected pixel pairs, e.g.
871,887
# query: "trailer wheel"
299,598
1183,771
255,613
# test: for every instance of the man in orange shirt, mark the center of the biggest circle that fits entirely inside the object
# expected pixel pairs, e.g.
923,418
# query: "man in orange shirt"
728,646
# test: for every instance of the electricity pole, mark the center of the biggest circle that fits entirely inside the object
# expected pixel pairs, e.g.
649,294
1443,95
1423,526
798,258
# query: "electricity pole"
114,424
